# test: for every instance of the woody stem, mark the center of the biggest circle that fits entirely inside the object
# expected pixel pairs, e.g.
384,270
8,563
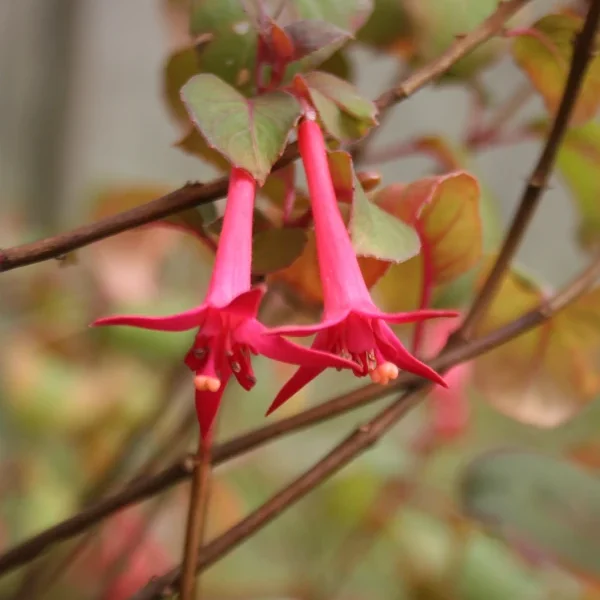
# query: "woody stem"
196,521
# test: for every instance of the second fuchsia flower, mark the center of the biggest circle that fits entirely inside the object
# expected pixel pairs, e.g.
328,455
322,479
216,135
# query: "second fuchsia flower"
228,331
352,326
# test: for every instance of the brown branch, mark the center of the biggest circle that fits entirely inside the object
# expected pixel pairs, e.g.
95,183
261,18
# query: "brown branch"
194,194
359,441
183,468
582,54
196,521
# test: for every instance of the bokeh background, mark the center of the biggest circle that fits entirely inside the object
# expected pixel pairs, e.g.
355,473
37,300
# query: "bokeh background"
81,114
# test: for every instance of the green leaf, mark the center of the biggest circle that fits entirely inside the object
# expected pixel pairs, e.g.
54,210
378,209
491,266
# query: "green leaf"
343,112
194,144
545,504
579,163
250,133
374,232
545,56
229,41
276,249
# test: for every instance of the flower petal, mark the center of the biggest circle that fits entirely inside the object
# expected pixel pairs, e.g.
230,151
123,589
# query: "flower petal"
298,380
306,330
246,304
207,406
410,317
394,351
278,348
179,322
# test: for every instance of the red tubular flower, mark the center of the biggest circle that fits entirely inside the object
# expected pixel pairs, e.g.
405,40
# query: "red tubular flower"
352,326
228,331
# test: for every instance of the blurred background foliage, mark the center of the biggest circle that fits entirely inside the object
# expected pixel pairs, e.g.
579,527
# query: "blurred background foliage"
501,501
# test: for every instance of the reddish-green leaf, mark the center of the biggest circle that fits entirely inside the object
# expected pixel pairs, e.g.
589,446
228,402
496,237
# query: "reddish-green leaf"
445,213
579,164
314,42
547,375
545,56
250,133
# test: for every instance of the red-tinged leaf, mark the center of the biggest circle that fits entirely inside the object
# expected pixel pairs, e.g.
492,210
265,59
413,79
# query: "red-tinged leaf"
314,42
544,53
543,377
445,212
369,180
344,113
579,163
542,503
250,133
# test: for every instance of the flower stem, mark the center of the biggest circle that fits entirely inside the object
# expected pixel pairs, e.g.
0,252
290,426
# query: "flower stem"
196,520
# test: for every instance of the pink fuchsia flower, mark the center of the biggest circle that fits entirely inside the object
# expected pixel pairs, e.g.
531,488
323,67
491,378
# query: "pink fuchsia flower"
449,406
352,326
228,331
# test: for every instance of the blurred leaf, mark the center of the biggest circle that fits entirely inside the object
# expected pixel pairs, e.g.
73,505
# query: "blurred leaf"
180,67
579,162
343,112
545,376
228,42
229,36
545,56
314,42
276,249
435,24
251,133
304,277
544,504
194,144
387,25
445,213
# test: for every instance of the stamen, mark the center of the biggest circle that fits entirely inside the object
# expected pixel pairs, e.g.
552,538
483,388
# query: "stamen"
384,372
204,383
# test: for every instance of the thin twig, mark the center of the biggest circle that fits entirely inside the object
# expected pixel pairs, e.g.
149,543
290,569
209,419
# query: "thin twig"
196,521
182,468
582,54
194,194
345,452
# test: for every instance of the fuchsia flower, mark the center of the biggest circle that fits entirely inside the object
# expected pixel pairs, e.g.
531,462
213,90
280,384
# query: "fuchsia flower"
228,331
352,327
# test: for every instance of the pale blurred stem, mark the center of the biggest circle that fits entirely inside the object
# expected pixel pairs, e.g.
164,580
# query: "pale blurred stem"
196,521
504,113
393,494
42,575
582,54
